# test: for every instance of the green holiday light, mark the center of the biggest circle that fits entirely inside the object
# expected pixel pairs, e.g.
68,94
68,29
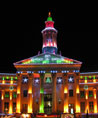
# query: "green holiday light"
45,61
15,77
11,78
14,95
42,90
6,95
94,77
7,77
3,78
90,77
59,61
81,77
90,95
42,104
85,78
48,59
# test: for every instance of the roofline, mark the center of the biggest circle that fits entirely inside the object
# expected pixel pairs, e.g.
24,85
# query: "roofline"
7,73
83,73
51,64
49,28
78,62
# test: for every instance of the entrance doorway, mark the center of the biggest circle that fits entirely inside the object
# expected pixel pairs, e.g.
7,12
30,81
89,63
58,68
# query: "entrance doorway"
71,108
24,108
48,103
67,116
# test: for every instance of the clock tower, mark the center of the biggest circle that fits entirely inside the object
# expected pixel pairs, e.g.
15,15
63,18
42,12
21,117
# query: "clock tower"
49,36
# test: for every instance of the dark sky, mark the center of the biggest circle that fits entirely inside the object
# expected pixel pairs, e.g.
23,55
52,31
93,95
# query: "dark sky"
21,35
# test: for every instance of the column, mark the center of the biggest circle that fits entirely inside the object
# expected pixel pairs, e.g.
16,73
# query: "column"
30,99
95,100
87,103
10,103
0,101
77,94
54,103
18,102
65,78
41,109
2,98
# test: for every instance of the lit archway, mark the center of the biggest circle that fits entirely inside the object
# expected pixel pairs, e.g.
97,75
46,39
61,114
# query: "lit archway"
68,116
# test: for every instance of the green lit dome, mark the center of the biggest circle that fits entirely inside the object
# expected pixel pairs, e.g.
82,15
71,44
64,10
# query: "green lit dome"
49,19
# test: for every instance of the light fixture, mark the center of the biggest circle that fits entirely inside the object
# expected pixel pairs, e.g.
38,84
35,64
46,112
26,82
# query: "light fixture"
25,80
70,79
59,80
36,80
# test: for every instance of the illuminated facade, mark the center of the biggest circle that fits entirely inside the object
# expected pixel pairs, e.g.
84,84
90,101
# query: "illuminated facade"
49,83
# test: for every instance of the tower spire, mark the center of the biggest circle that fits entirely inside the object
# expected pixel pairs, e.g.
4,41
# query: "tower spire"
49,36
49,14
49,17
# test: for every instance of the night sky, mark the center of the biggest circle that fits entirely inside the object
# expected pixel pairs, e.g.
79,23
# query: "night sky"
21,36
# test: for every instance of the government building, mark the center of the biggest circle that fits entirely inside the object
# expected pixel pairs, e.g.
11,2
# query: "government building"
49,84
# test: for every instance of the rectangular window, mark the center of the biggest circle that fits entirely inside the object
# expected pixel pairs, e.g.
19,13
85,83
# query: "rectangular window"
91,107
48,97
14,106
25,93
90,93
6,94
82,94
70,93
0,94
82,104
14,95
6,107
48,103
24,106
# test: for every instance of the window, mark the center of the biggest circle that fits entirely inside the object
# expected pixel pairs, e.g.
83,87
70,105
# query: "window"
14,106
6,107
14,95
0,98
71,108
48,80
47,97
59,80
90,93
91,106
0,94
11,88
6,94
82,104
82,94
25,93
71,79
24,106
48,103
70,93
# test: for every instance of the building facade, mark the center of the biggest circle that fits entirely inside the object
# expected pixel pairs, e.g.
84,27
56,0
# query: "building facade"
49,83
